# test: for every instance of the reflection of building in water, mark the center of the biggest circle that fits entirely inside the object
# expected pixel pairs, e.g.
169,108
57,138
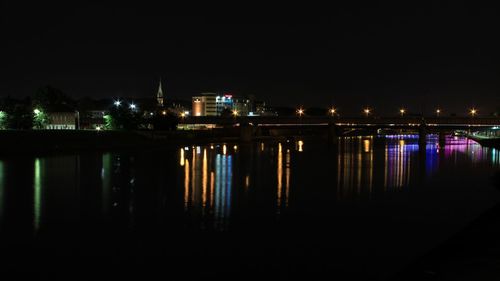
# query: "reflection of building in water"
106,171
398,161
355,167
282,193
37,195
208,183
2,187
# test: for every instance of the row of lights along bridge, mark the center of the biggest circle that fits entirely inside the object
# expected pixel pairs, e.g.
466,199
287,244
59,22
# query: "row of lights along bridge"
301,111
368,111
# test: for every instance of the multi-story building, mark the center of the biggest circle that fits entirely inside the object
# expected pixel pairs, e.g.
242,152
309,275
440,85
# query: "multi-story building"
62,121
205,105
242,106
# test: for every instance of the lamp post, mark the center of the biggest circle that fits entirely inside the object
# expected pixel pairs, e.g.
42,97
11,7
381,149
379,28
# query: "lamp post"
300,111
367,111
332,111
473,112
402,111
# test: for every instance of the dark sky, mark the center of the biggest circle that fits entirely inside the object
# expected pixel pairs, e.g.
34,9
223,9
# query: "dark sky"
382,56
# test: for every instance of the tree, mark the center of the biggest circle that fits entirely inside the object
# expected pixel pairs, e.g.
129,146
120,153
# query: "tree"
121,118
226,113
3,120
167,121
50,99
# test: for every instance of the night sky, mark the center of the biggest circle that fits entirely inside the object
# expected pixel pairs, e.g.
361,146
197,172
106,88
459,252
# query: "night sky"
382,56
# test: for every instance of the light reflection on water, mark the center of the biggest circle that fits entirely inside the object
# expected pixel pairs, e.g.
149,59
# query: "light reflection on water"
2,189
216,179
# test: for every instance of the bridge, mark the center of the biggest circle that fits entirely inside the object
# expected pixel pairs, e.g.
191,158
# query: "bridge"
256,126
352,122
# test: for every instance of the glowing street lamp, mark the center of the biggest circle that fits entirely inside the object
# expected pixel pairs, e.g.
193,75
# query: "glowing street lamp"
183,115
164,112
438,112
235,113
117,103
473,112
133,106
300,112
402,111
367,111
332,111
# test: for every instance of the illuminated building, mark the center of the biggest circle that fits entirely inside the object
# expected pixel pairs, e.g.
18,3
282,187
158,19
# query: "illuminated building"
205,105
242,105
160,99
61,121
224,102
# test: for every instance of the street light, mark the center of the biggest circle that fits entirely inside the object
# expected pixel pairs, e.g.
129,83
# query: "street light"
438,112
117,103
332,111
235,113
133,106
473,112
367,111
402,111
300,112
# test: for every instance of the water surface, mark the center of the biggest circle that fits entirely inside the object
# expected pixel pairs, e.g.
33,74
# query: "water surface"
363,209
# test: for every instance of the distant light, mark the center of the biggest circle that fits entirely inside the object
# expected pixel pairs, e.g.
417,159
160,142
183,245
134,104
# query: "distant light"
37,111
402,111
300,111
186,113
473,111
367,111
164,112
235,112
151,113
117,103
333,111
133,106
183,114
98,128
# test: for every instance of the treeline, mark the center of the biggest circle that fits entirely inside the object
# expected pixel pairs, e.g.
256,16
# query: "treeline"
33,112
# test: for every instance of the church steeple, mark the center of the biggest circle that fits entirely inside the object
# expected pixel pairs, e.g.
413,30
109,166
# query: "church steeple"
159,96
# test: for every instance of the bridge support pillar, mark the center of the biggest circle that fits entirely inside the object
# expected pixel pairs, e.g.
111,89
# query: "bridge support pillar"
442,139
332,133
422,134
246,132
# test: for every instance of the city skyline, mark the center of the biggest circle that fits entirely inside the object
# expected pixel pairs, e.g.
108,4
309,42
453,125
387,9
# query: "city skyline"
386,58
